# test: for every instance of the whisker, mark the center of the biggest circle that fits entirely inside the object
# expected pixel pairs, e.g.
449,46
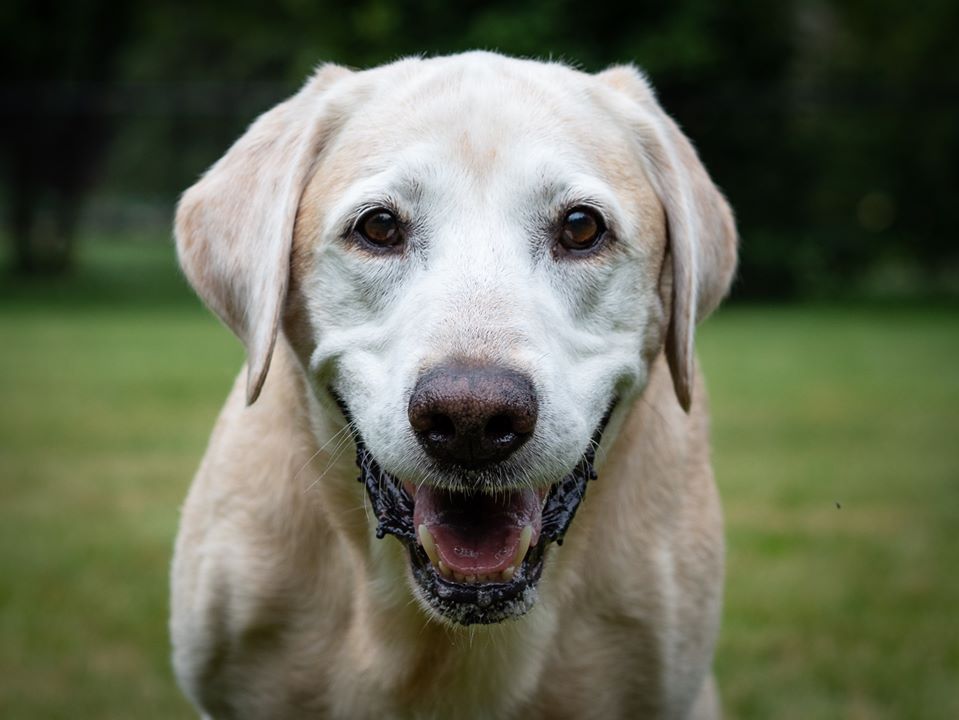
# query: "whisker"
666,421
335,436
335,455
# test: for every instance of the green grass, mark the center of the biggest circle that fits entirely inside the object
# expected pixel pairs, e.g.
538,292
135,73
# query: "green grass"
836,437
110,382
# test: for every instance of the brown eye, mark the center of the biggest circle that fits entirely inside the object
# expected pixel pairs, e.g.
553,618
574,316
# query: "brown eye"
582,229
380,227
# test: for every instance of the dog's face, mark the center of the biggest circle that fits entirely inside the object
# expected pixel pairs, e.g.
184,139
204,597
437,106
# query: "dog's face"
487,254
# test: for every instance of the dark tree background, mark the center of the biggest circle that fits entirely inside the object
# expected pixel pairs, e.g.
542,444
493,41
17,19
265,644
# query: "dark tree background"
833,127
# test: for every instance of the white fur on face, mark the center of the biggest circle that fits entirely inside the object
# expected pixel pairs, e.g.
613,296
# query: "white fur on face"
481,157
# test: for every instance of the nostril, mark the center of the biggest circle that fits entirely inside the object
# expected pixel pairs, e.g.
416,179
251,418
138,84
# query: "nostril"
499,429
440,428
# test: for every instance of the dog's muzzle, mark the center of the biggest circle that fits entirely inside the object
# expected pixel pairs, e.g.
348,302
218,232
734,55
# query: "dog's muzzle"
477,556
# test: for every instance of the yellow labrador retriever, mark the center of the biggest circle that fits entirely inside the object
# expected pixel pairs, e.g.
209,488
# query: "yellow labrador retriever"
475,482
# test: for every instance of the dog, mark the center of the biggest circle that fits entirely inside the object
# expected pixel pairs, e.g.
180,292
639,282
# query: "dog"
465,472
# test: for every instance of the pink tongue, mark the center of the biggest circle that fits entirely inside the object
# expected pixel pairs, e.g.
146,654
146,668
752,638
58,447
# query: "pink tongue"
477,534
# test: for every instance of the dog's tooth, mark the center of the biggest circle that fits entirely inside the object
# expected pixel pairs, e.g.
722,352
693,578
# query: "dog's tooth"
471,579
445,571
524,540
429,545
460,577
482,578
507,574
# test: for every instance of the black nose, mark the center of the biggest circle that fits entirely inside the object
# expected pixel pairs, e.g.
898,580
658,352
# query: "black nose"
472,415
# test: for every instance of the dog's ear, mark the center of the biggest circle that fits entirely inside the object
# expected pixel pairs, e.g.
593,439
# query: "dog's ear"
234,227
702,233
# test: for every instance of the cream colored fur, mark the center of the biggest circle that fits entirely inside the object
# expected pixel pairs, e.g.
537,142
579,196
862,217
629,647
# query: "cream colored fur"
285,605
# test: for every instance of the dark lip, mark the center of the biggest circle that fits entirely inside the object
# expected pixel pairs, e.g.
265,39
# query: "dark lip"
482,603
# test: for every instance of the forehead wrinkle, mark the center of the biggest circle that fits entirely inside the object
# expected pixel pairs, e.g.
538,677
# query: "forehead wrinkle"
347,179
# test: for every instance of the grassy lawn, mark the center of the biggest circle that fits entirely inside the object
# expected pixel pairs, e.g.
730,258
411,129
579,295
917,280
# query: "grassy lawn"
836,438
836,446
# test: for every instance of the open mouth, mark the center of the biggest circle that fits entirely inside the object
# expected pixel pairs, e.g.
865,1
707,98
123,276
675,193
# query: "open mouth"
476,556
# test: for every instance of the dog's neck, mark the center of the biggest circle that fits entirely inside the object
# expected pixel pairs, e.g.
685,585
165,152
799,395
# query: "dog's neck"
427,662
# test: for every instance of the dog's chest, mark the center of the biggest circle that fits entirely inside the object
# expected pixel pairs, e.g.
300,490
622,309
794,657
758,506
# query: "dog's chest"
430,672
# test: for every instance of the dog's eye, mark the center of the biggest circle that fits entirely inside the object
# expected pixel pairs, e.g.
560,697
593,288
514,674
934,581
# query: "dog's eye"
582,229
380,227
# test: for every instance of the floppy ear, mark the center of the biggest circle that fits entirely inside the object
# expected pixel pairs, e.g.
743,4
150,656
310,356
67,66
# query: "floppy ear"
702,233
234,227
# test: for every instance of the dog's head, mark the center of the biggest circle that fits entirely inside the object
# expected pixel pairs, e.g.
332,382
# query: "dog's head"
475,258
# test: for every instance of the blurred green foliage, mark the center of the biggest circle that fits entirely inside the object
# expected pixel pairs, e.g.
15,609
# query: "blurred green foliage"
833,126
